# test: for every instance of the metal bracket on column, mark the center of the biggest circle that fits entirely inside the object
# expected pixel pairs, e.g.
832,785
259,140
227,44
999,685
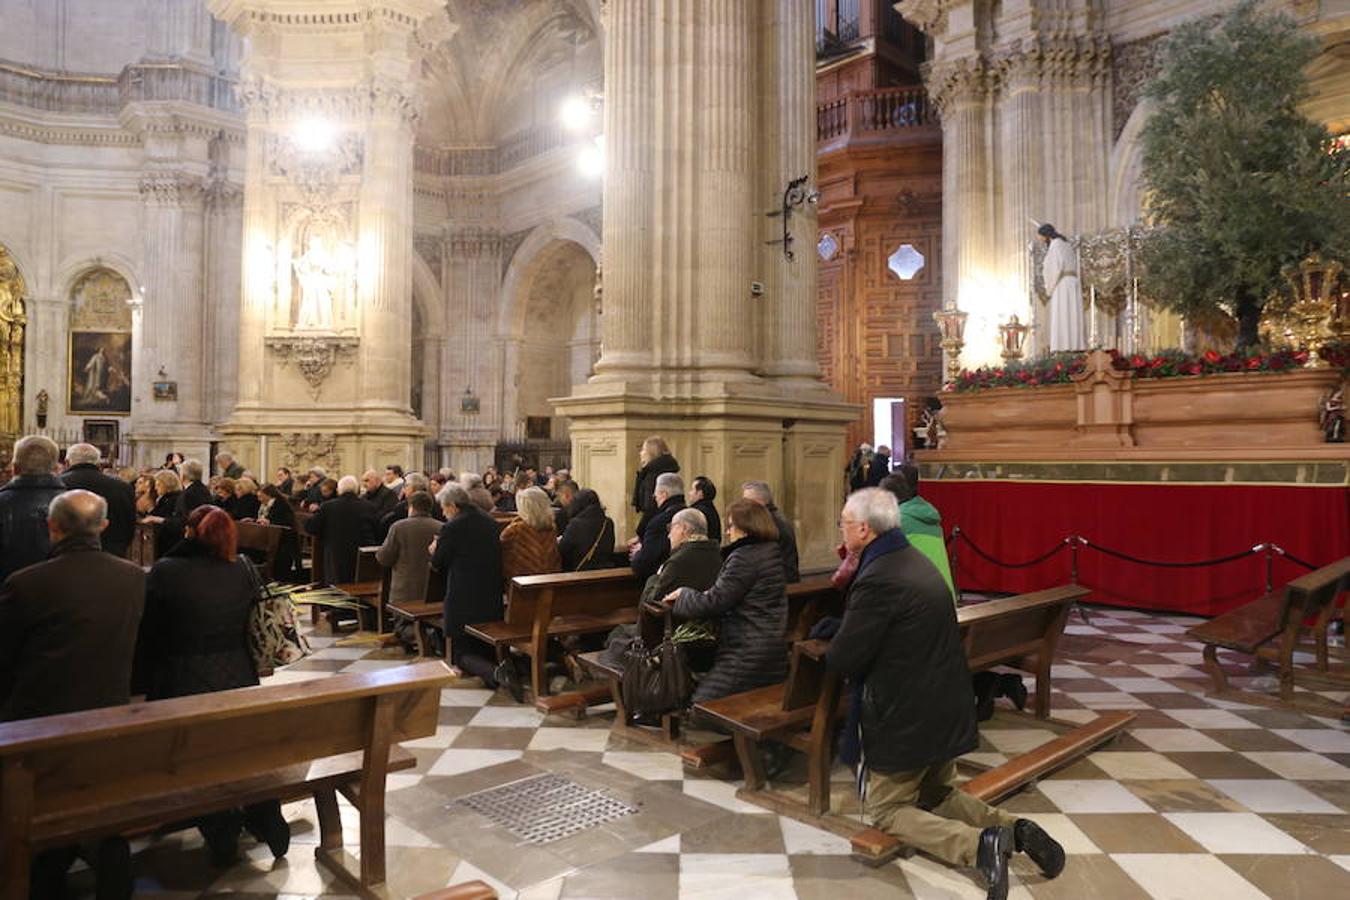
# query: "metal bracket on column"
794,195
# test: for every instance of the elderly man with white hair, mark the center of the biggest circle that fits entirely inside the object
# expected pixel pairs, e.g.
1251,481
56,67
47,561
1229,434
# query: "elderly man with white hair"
344,524
82,473
900,645
647,555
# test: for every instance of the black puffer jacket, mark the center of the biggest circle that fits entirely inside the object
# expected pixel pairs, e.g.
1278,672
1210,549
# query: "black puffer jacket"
644,488
587,527
900,636
749,602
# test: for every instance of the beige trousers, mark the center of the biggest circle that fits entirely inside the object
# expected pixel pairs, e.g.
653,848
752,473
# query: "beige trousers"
924,809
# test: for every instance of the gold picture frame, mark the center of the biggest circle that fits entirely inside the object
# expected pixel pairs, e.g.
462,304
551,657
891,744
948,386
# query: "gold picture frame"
97,385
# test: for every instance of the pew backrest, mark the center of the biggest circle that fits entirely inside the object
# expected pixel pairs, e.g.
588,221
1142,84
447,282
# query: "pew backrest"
593,593
265,539
1000,630
1311,593
60,765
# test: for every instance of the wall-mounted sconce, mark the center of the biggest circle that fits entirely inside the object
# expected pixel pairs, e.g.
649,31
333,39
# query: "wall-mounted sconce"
795,195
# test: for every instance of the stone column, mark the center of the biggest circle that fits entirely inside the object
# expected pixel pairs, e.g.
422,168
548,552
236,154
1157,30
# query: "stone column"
340,376
681,337
788,151
1021,170
472,257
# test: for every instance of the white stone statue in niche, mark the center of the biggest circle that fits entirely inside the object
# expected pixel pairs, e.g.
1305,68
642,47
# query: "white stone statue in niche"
318,271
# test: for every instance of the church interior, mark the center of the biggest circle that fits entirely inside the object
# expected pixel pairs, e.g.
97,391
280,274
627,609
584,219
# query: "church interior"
540,449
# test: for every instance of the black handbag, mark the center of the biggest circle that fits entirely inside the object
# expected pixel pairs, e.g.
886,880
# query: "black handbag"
656,680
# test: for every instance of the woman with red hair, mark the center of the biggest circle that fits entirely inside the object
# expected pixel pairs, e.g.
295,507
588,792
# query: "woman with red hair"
194,640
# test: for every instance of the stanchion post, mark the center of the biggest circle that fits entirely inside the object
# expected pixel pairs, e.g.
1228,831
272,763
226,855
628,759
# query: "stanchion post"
1270,567
952,559
1073,541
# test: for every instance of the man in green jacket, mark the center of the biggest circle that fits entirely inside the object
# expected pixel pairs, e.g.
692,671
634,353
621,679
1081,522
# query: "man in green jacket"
920,520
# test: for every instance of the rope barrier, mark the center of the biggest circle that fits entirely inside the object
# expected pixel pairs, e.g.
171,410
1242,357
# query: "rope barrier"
1074,541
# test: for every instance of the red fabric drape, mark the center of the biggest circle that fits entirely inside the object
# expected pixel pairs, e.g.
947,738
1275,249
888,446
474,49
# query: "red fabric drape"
1016,522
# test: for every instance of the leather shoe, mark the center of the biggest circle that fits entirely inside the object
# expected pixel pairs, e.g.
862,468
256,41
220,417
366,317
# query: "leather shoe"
1044,850
270,827
996,846
506,676
1011,686
112,869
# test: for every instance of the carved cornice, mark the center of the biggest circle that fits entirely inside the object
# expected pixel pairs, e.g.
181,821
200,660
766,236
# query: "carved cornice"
314,355
1050,61
40,133
473,242
375,96
172,188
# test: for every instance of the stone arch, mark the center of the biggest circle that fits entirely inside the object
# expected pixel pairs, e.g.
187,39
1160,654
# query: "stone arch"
426,296
511,315
1126,202
427,334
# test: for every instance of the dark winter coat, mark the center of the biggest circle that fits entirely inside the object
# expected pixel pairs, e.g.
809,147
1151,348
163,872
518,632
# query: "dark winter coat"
878,469
656,538
469,552
749,603
899,635
693,564
23,520
245,507
193,495
644,488
170,531
383,499
709,511
344,524
281,514
121,500
583,527
68,632
194,636
787,546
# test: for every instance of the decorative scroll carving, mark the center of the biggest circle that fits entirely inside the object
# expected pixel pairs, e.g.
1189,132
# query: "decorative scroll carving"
172,188
314,355
966,80
100,299
1132,65
302,450
1079,60
13,321
374,96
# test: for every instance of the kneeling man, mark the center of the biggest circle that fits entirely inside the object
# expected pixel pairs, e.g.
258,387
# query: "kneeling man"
899,637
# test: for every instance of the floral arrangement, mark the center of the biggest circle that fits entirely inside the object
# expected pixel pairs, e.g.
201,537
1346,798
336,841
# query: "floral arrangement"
1057,368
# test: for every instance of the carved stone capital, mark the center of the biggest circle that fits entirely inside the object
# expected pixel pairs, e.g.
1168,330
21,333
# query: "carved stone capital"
969,80
314,355
222,194
926,15
375,96
1083,60
473,242
172,188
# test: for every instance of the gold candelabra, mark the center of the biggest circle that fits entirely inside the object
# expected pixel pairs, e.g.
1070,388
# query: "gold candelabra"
952,326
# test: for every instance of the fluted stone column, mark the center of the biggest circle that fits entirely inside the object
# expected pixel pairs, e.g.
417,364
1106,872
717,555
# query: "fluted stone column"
689,85
472,257
789,151
353,67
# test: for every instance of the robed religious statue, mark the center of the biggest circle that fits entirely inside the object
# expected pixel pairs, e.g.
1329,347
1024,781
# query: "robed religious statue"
317,271
1059,270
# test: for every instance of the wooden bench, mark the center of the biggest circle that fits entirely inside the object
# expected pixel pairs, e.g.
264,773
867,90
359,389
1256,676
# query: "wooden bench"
142,549
1019,631
422,616
81,776
809,600
1269,628
264,540
540,607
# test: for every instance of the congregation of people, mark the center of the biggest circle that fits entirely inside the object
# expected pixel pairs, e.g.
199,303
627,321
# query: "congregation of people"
180,628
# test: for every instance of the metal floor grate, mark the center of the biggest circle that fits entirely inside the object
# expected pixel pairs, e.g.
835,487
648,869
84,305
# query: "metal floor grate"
546,808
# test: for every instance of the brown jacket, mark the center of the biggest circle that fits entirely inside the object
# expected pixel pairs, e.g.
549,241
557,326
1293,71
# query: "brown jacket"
529,551
68,632
405,551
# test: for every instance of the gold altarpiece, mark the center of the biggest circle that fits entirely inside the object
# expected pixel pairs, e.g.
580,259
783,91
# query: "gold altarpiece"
13,321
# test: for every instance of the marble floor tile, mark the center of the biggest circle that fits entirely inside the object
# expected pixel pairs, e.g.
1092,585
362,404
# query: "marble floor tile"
1210,718
649,876
1092,797
1183,795
1089,877
457,696
733,876
588,740
665,845
1235,833
721,793
1016,740
1302,877
1300,766
801,839
1166,739
457,762
1329,834
1273,796
752,834
1134,833
507,717
647,766
1137,766
1110,700
474,737
444,736
1187,877
821,877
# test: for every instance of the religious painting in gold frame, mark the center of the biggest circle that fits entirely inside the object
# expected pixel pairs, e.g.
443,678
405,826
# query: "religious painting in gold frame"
100,372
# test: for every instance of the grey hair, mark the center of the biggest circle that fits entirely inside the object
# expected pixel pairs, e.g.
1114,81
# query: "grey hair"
78,513
759,491
167,481
191,469
36,455
348,484
470,480
534,508
876,507
82,455
670,482
693,519
453,494
319,470
224,454
416,481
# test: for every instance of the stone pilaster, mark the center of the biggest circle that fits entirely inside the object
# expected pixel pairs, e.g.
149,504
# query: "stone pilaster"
341,368
472,260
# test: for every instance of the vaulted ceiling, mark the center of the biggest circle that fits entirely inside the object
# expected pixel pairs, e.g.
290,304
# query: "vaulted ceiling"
480,77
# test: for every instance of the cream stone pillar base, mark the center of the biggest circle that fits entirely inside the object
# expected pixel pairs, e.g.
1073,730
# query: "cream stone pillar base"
730,432
344,444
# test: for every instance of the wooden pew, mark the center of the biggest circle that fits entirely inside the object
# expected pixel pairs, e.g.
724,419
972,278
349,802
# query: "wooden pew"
539,607
142,550
1269,628
425,615
1019,631
809,600
81,776
264,539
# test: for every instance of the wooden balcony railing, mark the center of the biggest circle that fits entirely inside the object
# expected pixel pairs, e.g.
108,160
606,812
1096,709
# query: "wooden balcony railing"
863,113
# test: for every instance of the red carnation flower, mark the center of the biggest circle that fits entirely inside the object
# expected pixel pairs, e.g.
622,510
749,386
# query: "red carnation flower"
1212,357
